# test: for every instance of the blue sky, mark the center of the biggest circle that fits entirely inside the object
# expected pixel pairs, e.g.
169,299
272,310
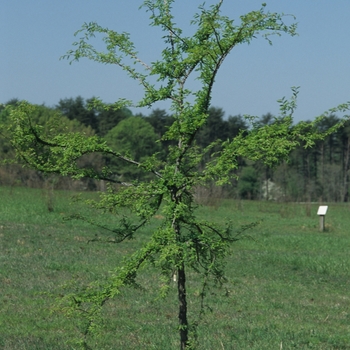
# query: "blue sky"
34,34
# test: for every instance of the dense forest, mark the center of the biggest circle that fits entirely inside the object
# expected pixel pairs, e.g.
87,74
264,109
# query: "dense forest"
320,173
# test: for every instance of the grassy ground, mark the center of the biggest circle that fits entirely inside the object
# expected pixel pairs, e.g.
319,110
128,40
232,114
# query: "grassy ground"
288,283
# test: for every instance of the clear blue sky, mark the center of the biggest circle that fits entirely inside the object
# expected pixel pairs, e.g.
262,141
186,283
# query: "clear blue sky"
35,33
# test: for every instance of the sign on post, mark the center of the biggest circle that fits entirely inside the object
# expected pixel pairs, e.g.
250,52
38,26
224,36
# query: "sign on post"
322,211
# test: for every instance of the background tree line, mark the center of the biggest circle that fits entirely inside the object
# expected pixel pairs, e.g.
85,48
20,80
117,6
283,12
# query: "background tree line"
320,173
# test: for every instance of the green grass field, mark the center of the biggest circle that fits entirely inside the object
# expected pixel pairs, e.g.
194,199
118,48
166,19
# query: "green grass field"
288,288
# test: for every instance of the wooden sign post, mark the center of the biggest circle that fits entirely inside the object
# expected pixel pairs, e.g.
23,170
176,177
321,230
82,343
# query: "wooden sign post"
322,210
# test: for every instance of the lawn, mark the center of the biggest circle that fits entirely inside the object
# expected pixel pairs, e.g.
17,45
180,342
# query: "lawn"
288,283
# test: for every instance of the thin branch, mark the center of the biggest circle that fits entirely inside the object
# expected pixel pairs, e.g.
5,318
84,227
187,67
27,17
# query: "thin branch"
132,55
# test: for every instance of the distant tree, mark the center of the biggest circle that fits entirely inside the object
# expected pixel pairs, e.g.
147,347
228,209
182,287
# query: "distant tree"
248,183
332,161
332,142
77,108
134,137
214,128
108,118
160,120
345,155
319,166
265,119
182,242
264,170
235,125
11,102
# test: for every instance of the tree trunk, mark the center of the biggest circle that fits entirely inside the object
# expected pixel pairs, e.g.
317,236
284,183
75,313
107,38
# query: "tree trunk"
183,324
346,159
322,170
267,183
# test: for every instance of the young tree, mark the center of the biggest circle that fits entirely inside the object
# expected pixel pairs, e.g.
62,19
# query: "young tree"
182,241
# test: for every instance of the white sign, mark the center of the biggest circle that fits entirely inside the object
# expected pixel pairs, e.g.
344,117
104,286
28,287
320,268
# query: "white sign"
322,210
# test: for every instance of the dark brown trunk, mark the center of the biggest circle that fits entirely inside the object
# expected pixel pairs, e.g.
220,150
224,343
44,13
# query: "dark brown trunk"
183,324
